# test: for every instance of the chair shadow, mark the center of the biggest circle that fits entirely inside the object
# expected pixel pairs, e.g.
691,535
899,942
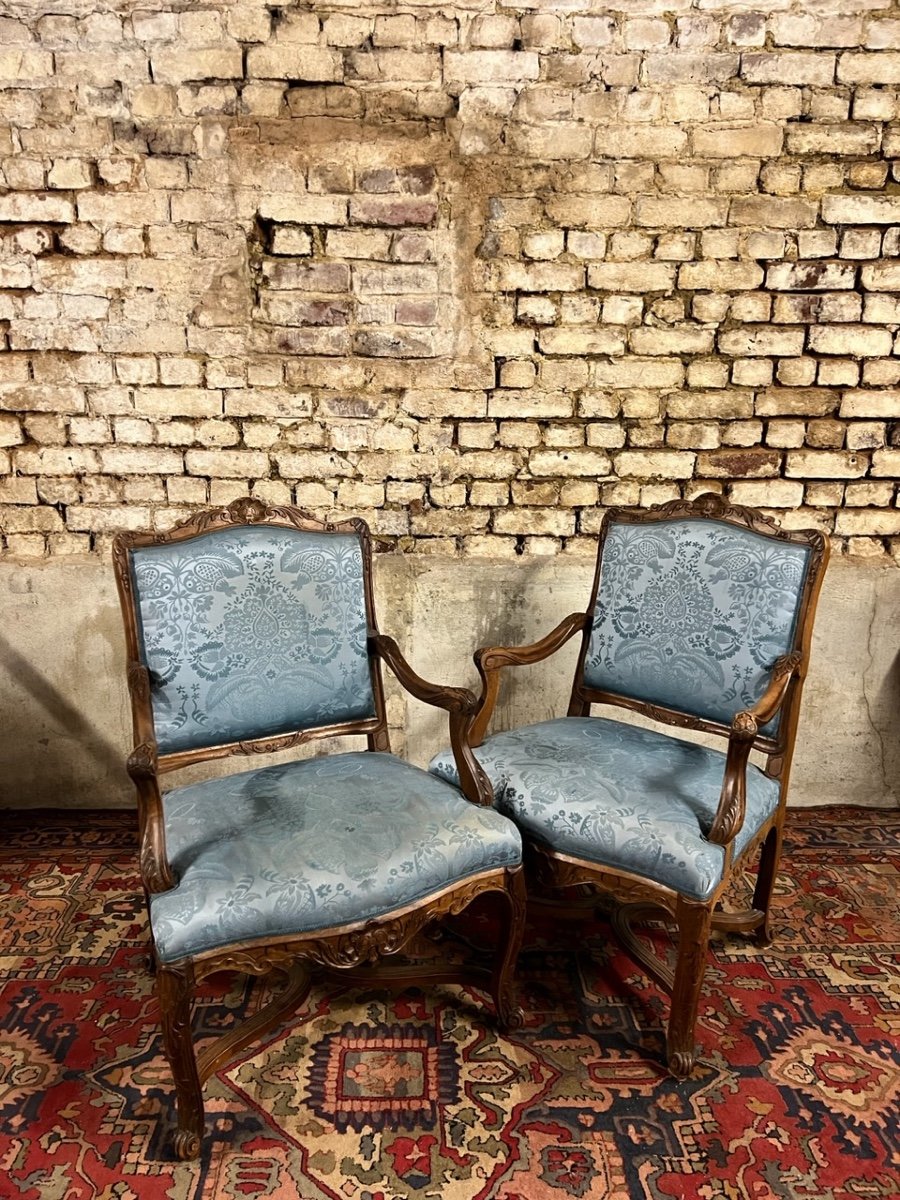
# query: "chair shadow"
52,756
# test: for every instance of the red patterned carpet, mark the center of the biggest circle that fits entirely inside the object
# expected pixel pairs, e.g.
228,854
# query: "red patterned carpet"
378,1098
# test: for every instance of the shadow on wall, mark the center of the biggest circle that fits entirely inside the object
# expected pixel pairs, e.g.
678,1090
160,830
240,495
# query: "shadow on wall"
47,739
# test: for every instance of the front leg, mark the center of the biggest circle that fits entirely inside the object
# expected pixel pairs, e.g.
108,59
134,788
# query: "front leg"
174,986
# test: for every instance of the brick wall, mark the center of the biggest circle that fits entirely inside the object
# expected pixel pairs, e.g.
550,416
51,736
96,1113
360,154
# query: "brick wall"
474,271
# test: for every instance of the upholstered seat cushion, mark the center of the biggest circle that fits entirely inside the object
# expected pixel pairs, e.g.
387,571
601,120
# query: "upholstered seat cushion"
307,845
619,796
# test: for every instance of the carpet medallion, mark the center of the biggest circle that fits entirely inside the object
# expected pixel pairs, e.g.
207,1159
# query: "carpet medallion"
373,1096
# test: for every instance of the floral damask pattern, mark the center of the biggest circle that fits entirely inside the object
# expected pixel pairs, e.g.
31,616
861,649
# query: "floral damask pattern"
314,844
619,796
692,614
252,633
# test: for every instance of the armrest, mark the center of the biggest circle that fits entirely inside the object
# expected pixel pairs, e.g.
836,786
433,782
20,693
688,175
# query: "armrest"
460,705
490,660
143,767
744,729
453,699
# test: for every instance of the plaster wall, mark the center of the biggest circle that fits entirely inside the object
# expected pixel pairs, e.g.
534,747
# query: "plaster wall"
66,723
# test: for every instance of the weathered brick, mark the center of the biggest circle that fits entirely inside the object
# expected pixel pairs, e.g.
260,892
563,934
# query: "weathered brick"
631,276
690,68
588,210
864,402
687,339
535,521
650,464
813,275
177,402
886,462
861,210
639,141
881,276
790,401
857,340
825,464
173,65
716,275
304,209
581,341
816,70
867,522
540,277
290,61
751,340
753,462
577,461
832,139
31,397
695,213
490,66
774,212
56,460
533,402
392,211
858,68
772,493
753,141
730,405
146,460
633,372
35,206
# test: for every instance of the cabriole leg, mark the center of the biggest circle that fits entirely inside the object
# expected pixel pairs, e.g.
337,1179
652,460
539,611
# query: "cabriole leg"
694,922
175,988
512,929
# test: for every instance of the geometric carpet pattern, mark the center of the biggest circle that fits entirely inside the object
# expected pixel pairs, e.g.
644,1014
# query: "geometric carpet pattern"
364,1095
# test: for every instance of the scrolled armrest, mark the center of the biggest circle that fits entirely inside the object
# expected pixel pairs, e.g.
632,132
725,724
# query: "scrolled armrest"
453,699
460,705
747,723
490,660
744,728
493,658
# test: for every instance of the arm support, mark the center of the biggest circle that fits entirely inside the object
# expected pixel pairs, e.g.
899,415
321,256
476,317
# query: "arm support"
744,729
490,660
460,705
142,766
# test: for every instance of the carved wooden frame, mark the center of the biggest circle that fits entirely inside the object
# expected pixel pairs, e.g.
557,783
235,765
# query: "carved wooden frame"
342,948
694,920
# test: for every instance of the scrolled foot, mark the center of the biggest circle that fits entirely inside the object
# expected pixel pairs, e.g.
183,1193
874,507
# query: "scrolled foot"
187,1144
510,1017
681,1063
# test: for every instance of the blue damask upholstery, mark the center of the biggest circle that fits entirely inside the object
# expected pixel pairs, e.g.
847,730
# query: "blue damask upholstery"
619,796
252,631
314,845
692,613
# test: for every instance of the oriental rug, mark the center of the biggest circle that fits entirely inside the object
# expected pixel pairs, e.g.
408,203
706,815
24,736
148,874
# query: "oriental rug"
368,1096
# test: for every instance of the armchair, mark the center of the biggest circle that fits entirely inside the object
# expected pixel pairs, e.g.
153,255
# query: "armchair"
700,618
249,630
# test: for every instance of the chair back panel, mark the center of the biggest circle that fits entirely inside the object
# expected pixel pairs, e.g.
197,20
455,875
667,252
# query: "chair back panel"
692,613
251,631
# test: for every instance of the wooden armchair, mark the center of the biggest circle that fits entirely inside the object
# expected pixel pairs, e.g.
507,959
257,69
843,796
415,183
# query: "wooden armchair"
252,629
700,618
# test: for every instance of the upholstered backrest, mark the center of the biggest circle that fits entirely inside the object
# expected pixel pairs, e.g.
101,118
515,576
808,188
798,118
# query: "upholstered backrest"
252,630
691,613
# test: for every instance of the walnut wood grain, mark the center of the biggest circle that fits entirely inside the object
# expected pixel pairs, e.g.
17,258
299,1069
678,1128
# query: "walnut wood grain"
344,948
553,871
